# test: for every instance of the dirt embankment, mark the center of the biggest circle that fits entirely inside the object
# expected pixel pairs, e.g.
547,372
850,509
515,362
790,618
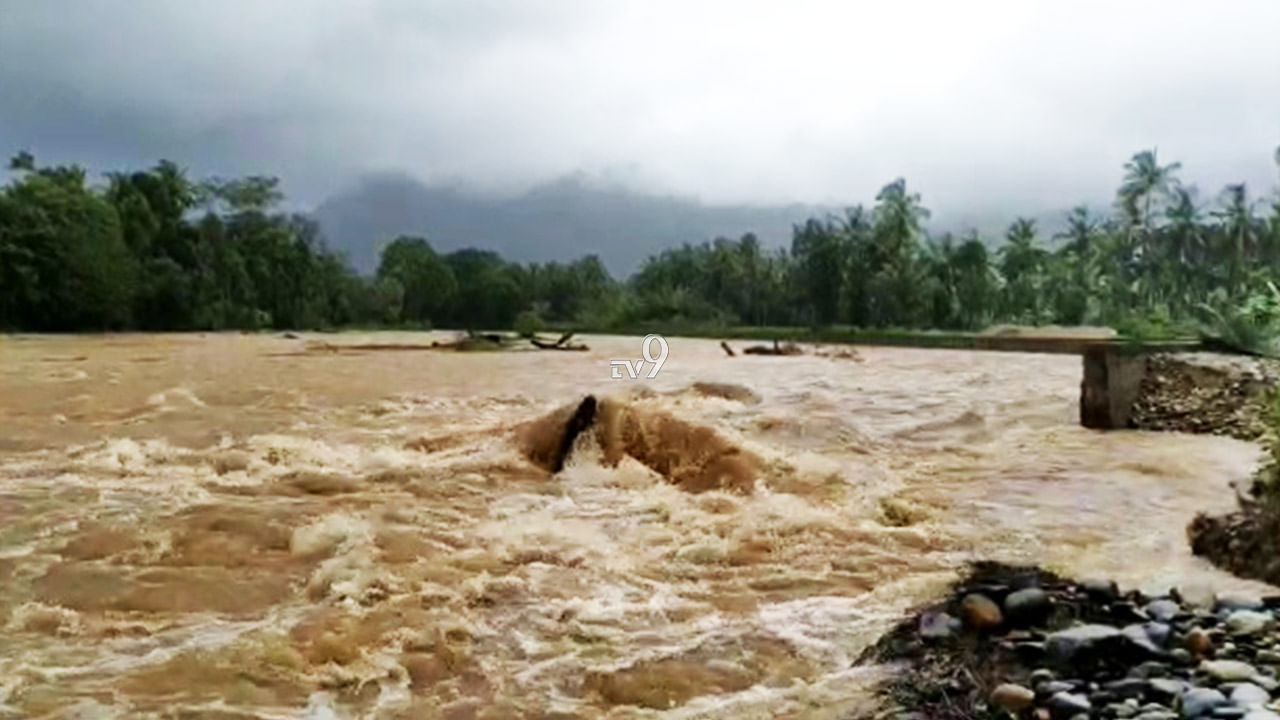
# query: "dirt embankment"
1207,393
1223,395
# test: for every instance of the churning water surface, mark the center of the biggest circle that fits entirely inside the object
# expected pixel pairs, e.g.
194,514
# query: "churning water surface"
232,526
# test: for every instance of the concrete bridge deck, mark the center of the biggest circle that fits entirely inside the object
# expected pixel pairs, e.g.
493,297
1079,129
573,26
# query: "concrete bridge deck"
1059,345
1113,368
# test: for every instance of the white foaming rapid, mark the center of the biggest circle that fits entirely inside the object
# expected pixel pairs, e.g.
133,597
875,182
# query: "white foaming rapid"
281,529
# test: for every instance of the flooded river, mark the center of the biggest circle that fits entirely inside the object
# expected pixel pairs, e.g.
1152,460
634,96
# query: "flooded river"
231,526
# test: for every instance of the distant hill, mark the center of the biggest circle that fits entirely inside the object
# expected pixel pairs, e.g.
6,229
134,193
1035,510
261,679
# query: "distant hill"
570,217
560,220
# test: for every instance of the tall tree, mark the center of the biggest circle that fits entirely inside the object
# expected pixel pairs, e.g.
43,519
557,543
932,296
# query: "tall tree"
896,232
427,284
63,262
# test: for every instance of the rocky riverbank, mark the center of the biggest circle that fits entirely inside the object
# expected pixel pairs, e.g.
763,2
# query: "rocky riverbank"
1206,393
1246,542
1020,642
1225,395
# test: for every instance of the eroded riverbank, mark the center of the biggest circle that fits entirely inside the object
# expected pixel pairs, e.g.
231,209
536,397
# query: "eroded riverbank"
245,522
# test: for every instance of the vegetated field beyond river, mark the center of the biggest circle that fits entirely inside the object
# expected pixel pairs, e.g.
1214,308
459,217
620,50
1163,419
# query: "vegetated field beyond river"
246,526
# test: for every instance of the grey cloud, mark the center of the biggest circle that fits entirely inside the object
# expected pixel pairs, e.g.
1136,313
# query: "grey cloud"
989,107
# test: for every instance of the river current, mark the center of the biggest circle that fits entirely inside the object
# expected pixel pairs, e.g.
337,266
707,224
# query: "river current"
342,526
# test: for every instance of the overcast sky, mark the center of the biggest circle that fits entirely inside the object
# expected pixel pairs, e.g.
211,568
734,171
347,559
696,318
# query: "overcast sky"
1018,105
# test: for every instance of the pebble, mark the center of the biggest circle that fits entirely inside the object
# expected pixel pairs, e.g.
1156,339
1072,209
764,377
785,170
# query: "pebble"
1138,638
1040,675
1199,642
1266,682
1158,632
1014,698
935,625
1053,687
1028,607
1100,590
1198,702
1121,710
1248,622
1229,670
1162,610
1248,695
1127,612
1065,645
1166,690
1066,705
1270,657
1149,669
1126,688
980,612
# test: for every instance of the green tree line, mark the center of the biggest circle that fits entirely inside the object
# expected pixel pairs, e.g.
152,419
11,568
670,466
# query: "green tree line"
155,250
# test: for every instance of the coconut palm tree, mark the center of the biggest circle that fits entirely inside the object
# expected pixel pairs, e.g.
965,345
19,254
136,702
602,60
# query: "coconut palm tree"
1146,181
1239,235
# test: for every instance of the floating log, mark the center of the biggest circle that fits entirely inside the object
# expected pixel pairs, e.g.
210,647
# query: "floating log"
727,350
787,349
560,344
543,345
495,338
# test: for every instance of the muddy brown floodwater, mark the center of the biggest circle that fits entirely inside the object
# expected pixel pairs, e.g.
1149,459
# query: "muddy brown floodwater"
231,526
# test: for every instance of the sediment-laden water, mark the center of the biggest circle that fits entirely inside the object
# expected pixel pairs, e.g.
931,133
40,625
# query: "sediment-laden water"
231,526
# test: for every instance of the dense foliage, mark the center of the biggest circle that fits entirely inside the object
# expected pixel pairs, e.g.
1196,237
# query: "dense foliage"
152,249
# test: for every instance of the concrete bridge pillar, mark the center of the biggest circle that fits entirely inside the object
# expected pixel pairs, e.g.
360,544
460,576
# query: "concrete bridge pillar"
1112,381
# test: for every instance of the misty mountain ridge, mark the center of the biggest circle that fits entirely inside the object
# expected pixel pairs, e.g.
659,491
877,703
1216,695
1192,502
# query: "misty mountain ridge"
572,216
